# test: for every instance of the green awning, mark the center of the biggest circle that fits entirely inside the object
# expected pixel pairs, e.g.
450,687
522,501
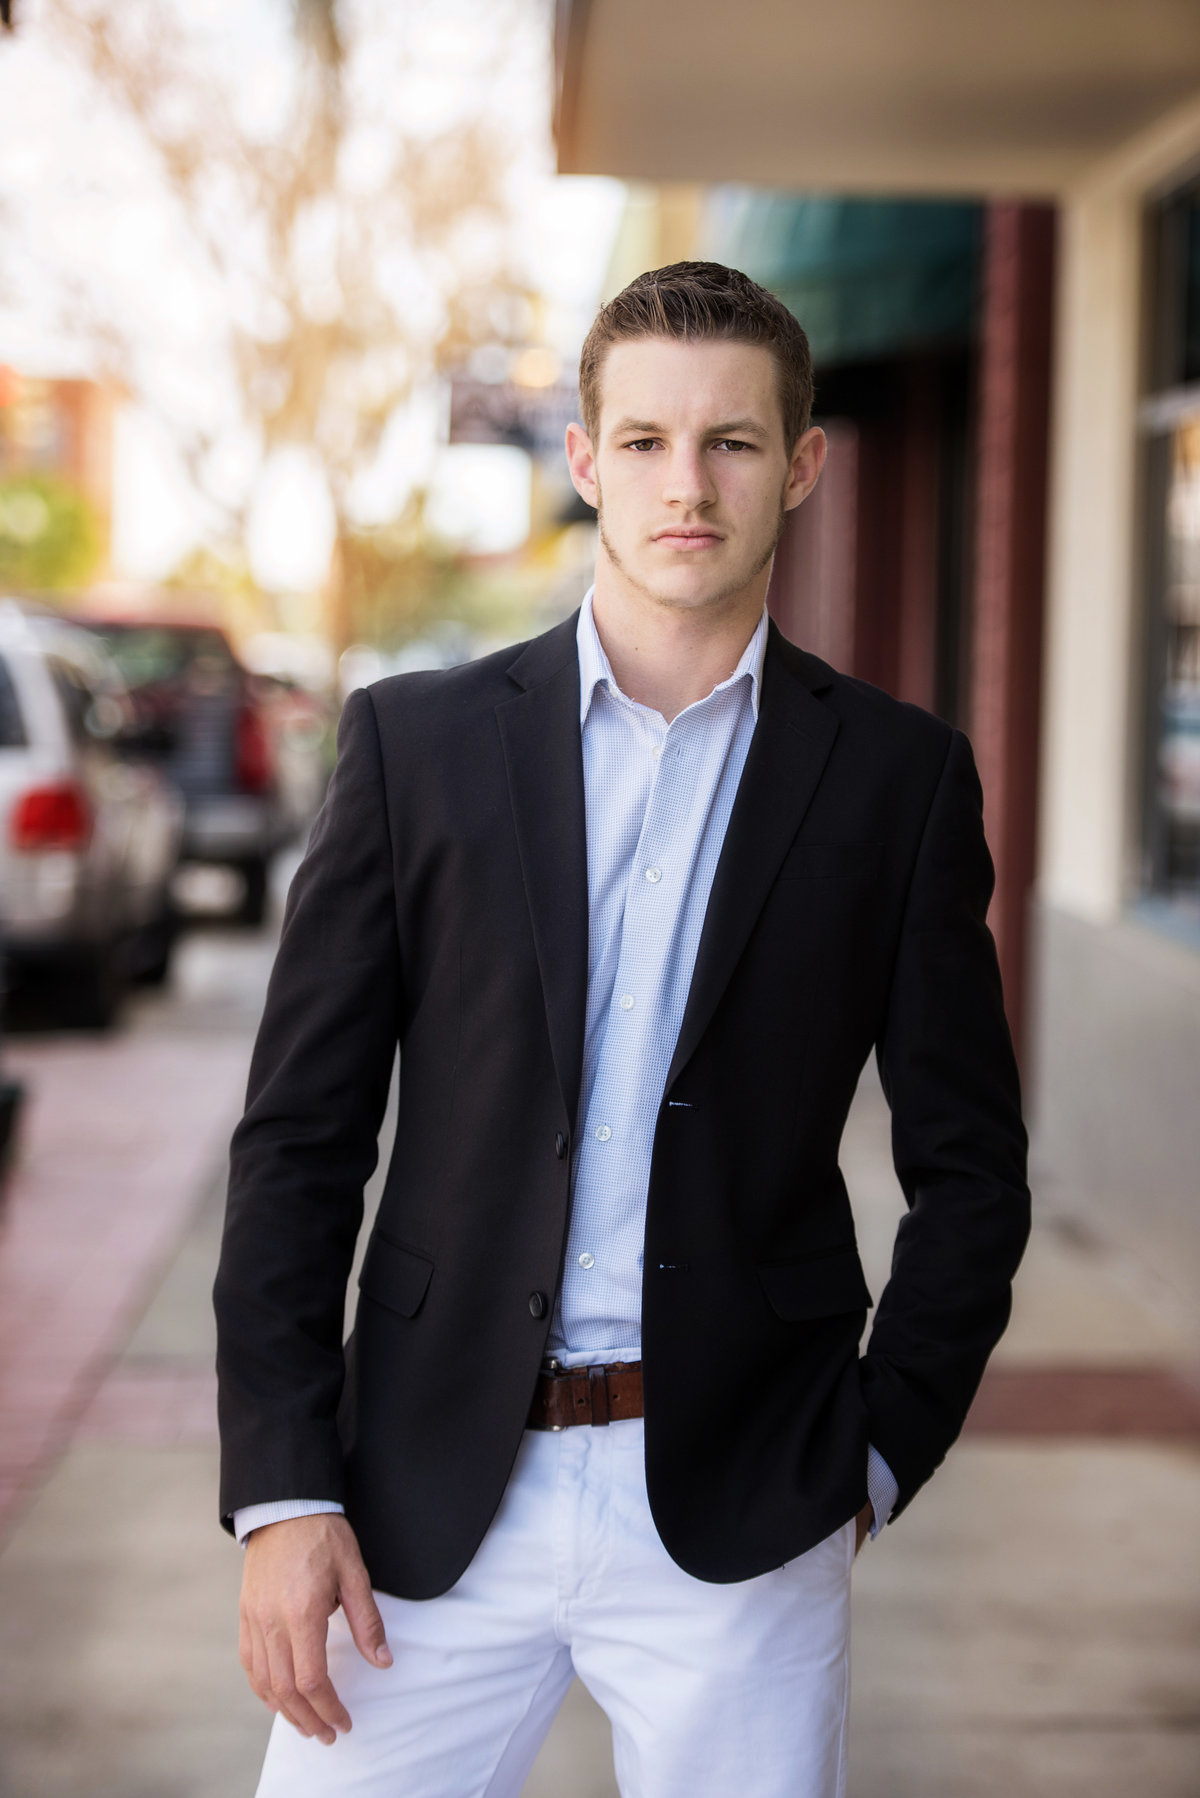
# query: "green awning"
866,278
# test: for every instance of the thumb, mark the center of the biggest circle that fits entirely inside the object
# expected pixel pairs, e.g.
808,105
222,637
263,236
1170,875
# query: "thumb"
362,1614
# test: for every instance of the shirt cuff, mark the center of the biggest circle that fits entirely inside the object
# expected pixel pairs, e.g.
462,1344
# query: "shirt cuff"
882,1489
280,1510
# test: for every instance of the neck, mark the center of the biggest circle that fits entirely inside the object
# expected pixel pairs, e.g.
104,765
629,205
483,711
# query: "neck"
668,656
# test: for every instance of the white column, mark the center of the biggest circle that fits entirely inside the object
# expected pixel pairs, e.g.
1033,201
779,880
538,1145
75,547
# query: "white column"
1092,670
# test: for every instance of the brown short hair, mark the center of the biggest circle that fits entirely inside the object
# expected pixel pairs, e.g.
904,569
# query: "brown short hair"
695,300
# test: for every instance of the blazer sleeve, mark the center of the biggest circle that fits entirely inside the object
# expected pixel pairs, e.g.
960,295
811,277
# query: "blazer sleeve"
958,1142
307,1144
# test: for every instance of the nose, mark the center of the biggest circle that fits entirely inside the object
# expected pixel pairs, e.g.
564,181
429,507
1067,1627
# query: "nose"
689,483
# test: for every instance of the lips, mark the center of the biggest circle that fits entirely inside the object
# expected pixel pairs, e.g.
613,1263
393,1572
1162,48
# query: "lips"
689,540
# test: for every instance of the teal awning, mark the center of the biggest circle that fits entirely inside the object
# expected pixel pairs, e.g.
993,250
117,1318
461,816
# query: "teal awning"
866,278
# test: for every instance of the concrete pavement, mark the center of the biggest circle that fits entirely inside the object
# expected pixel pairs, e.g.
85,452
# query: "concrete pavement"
1031,1625
1028,1627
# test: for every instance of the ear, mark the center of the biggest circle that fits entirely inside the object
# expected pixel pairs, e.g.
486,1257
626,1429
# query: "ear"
804,470
581,461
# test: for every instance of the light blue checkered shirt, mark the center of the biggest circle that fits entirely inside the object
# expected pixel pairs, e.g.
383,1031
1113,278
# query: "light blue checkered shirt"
658,799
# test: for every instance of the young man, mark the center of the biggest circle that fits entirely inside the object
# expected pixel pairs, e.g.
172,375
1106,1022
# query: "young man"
637,899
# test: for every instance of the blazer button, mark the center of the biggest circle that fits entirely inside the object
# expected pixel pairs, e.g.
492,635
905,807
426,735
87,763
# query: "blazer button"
537,1304
560,1146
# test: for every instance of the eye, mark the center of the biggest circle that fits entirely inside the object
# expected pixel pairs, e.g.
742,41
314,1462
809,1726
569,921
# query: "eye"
642,444
733,445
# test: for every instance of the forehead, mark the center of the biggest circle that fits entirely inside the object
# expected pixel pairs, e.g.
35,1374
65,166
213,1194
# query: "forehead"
689,385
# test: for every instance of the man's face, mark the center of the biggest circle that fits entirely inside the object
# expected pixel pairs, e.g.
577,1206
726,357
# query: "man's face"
690,472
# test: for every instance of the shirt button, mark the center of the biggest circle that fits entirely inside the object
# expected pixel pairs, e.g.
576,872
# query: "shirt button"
537,1304
626,1001
586,1260
653,875
603,1133
656,755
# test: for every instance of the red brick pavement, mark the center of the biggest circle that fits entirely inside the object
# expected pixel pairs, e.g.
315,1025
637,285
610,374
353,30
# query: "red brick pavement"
1148,1403
153,1407
118,1139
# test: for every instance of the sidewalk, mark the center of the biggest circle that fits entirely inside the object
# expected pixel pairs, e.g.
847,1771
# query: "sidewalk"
1029,1627
1027,1630
99,1199
115,1588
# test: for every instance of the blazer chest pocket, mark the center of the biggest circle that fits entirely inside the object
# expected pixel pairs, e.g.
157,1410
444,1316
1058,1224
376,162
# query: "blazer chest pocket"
820,1286
831,861
394,1276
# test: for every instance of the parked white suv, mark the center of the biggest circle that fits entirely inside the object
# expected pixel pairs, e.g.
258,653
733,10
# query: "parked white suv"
89,828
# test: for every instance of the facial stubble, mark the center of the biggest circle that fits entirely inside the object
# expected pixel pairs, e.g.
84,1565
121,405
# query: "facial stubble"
717,599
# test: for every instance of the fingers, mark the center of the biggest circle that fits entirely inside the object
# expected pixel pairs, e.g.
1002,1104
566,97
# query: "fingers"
295,1575
311,1694
362,1613
313,1685
289,1589
272,1678
286,1667
252,1652
300,1703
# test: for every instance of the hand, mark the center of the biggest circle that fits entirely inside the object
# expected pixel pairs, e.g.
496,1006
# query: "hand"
296,1573
863,1522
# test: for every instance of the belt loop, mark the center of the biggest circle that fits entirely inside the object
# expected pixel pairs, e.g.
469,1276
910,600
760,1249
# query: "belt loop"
598,1381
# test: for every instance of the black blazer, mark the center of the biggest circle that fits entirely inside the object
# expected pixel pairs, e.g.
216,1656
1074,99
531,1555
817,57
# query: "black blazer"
443,904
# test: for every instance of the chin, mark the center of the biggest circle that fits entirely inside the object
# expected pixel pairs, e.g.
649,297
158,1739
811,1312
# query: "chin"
684,589
695,587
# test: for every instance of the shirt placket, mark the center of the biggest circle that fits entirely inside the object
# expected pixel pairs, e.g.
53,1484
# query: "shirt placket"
610,1168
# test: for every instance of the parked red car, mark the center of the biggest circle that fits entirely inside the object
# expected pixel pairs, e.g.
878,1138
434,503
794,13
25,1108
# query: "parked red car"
206,718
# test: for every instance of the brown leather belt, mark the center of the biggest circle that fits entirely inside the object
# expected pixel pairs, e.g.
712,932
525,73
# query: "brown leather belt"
593,1395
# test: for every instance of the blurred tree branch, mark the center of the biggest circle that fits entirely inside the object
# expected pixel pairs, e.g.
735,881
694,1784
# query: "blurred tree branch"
355,252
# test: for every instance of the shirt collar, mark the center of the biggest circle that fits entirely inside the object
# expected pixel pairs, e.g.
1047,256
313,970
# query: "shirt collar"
594,668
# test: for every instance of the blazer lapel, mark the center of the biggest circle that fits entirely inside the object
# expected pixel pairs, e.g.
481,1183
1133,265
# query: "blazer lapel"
543,754
788,752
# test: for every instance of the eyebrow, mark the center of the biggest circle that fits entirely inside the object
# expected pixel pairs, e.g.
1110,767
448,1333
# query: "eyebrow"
734,427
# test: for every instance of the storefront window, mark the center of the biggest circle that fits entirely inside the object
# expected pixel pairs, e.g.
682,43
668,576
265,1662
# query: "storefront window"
1172,416
1178,770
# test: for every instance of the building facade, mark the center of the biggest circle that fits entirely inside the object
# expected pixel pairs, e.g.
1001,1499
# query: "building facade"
1017,543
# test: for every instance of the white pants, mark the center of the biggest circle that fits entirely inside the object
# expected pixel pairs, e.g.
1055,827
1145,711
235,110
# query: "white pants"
738,1691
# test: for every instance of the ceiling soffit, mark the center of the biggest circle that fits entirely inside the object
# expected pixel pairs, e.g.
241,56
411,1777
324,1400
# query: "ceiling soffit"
930,96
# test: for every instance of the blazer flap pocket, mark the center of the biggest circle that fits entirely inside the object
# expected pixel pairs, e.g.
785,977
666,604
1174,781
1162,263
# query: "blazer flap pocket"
395,1276
820,1286
826,861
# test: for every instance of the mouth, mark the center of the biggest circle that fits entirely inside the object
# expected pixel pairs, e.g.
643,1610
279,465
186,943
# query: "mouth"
688,540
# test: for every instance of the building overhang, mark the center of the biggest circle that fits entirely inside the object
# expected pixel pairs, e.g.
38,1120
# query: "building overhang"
1013,97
